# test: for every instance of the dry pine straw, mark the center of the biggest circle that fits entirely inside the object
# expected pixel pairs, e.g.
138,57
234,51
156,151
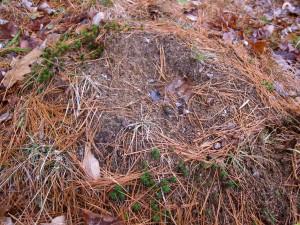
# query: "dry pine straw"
42,147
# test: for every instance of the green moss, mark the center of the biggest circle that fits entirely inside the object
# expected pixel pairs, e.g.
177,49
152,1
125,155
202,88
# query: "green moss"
182,169
172,179
143,165
117,193
268,85
136,207
155,153
155,218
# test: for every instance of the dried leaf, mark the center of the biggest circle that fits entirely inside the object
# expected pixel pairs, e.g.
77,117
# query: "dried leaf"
5,116
22,67
59,220
259,46
29,42
228,20
91,164
180,86
6,221
290,144
98,18
39,23
46,8
29,6
192,14
91,218
8,30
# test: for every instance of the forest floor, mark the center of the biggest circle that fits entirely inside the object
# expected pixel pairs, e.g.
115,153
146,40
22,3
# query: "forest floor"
149,112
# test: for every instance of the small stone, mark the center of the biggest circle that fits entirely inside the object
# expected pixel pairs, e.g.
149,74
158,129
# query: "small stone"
217,146
255,174
169,111
151,81
209,157
178,105
210,75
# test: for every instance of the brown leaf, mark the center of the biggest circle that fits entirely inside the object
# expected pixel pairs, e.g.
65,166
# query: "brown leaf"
8,30
259,46
45,7
91,218
29,42
229,20
90,163
192,14
180,86
39,23
22,67
290,144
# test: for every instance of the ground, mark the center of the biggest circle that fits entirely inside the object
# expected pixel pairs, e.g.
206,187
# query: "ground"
181,128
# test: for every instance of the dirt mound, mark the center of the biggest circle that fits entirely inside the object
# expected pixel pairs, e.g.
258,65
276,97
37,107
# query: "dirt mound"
180,136
162,93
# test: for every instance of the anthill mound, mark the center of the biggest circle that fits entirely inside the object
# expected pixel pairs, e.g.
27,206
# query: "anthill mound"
180,137
157,92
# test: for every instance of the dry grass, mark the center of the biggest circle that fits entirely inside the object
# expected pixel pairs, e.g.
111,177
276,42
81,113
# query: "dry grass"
42,147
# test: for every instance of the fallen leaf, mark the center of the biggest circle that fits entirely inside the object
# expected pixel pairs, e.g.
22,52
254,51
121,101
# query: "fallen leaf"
5,116
180,87
8,30
29,6
192,14
22,67
45,7
259,46
228,20
29,42
39,23
6,221
91,218
98,18
90,163
59,220
290,144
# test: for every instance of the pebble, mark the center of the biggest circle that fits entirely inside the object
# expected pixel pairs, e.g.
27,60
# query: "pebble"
217,146
210,75
255,174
